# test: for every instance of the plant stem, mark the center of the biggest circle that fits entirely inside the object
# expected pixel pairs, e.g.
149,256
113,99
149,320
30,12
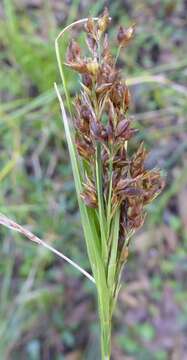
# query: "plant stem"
106,338
105,313
102,219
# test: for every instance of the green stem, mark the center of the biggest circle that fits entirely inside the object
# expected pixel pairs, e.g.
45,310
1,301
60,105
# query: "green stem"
106,340
105,328
117,54
99,185
109,195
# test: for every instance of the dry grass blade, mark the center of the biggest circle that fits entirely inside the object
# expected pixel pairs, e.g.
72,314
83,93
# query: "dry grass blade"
10,224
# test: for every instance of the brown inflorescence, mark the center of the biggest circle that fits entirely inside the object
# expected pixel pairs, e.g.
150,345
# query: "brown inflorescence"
102,118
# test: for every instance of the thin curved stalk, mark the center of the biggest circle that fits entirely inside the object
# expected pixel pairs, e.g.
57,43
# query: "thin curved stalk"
10,224
60,35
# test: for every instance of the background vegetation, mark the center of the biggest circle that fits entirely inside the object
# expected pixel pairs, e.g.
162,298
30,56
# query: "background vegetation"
47,310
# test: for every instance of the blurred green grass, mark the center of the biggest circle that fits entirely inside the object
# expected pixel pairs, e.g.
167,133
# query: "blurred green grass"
46,306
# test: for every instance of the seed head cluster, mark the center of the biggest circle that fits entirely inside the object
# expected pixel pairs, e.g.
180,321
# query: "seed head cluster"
101,122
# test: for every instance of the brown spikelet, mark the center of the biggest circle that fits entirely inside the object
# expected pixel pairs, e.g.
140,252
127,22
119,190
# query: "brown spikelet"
124,36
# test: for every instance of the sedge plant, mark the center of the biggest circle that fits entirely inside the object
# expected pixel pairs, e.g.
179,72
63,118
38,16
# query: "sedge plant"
112,186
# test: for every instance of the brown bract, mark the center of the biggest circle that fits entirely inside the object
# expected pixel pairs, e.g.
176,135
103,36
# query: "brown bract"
89,195
125,35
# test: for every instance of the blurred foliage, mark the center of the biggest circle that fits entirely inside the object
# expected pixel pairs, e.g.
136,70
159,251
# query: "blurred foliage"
46,308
